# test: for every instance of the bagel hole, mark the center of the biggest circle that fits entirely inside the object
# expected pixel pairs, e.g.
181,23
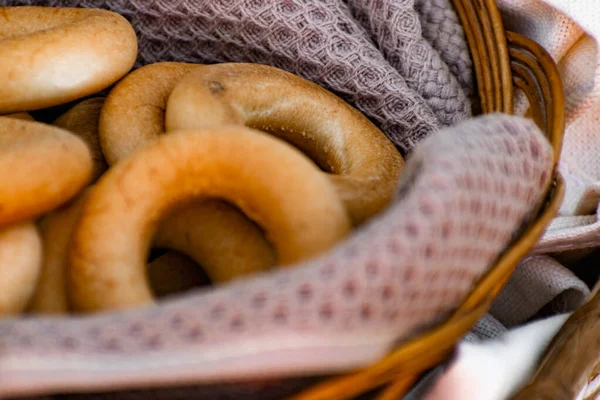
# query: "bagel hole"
171,272
181,243
306,142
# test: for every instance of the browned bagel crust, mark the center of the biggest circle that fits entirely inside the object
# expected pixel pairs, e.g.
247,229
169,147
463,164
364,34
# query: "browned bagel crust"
363,163
218,237
195,229
82,120
174,273
56,229
50,56
21,115
297,206
134,111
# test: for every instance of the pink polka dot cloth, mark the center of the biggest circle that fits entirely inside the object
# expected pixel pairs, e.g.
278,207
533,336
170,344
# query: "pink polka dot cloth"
465,192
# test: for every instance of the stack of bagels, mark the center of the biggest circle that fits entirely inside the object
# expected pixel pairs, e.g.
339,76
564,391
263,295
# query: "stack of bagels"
235,168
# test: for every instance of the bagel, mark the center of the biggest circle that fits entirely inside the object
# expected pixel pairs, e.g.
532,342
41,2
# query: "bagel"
202,230
23,115
82,120
362,162
50,56
41,168
218,237
270,181
174,273
134,111
56,229
20,263
132,117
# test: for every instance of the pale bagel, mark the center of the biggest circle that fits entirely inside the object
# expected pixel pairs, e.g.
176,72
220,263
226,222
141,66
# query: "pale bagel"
216,235
56,229
50,56
41,168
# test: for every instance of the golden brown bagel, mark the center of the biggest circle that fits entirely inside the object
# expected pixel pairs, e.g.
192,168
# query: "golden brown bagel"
20,263
218,237
50,56
82,120
173,273
56,228
41,167
134,111
297,206
22,115
226,249
363,163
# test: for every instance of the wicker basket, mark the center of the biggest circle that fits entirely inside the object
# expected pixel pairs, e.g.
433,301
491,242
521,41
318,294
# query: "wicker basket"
502,60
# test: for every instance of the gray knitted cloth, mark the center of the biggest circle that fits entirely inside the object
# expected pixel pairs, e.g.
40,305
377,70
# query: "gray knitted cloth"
442,29
395,27
382,65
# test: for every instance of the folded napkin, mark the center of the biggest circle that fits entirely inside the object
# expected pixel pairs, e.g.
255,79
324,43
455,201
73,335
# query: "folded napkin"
442,28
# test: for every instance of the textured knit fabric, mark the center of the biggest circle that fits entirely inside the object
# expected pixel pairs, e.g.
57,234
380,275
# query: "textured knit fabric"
464,193
552,285
318,40
539,287
442,28
395,27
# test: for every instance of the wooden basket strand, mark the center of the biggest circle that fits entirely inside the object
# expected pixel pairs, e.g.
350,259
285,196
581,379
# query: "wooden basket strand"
487,43
536,74
500,58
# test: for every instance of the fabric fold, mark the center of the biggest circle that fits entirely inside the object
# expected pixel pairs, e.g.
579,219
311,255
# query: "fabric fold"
394,26
441,27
